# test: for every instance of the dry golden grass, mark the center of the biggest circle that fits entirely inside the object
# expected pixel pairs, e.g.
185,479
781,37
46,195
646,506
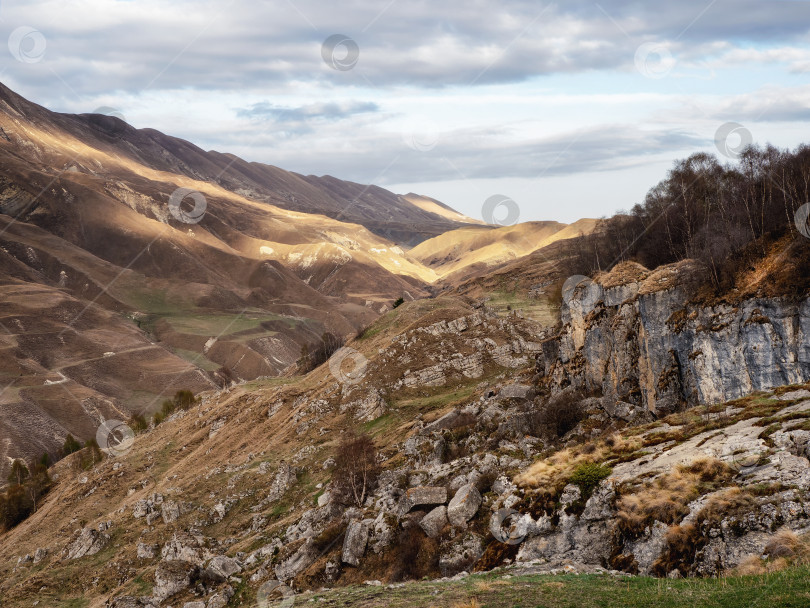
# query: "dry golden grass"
783,549
558,467
470,603
786,544
666,498
487,586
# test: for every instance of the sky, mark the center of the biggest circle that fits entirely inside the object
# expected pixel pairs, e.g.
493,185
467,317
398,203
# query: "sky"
570,109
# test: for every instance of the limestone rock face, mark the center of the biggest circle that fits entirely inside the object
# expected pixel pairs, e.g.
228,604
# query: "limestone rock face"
354,544
460,553
464,505
643,343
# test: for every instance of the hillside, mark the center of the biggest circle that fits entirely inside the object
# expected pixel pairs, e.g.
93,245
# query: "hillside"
115,294
485,461
288,403
458,253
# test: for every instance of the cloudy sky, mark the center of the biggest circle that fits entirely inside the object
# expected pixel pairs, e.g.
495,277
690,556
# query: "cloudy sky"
572,109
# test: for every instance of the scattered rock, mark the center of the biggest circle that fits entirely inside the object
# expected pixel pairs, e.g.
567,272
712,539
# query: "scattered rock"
172,577
221,599
89,542
421,497
433,522
464,505
221,567
354,544
147,551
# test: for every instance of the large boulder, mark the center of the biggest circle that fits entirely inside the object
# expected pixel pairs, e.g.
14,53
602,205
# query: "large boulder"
221,599
354,544
221,568
89,542
172,577
464,505
433,522
422,496
183,546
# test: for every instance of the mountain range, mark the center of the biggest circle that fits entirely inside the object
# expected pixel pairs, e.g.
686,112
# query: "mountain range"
135,264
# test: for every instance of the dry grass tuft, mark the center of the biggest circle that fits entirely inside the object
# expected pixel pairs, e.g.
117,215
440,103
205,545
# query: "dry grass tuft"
783,549
557,468
470,603
753,565
666,498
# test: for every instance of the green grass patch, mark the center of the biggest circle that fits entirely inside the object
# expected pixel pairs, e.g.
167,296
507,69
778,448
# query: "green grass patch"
789,588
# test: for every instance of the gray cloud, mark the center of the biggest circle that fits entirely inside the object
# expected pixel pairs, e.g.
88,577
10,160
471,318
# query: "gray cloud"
100,46
385,158
329,111
297,112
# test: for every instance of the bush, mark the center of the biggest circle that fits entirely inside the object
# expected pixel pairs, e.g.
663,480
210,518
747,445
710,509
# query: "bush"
182,400
70,445
558,416
587,476
356,469
138,423
312,357
399,302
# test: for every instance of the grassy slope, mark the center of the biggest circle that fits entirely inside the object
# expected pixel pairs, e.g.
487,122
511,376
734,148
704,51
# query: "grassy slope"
498,590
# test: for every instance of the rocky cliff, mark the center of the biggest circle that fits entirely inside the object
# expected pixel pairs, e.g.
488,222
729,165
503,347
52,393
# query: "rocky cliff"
634,335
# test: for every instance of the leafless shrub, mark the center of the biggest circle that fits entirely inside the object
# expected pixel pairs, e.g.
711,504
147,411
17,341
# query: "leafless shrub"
356,469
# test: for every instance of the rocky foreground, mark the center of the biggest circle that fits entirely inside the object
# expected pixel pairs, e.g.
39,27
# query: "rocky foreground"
488,461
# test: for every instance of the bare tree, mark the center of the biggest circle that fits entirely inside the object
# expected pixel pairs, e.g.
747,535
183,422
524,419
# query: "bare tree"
356,469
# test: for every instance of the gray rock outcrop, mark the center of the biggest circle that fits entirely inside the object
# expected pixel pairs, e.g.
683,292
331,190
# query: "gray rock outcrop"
89,542
641,341
354,543
433,522
464,505
421,497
